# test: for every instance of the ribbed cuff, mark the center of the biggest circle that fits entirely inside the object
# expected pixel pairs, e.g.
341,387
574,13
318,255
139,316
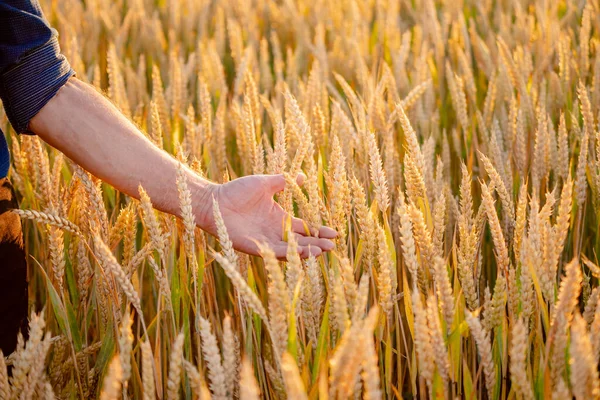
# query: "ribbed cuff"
4,156
32,82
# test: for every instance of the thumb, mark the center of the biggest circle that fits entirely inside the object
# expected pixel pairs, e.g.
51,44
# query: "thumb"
278,182
275,183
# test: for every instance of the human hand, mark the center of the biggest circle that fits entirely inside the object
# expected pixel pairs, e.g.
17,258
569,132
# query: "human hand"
252,216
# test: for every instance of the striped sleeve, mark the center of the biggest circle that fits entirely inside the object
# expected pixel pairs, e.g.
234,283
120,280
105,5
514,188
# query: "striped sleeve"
28,85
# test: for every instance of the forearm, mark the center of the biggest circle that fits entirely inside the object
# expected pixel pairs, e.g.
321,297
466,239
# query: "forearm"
90,130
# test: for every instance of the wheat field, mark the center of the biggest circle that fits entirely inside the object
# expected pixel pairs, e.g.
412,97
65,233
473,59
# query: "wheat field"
454,146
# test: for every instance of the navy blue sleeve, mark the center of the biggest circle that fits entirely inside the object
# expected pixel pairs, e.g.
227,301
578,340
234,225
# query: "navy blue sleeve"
32,69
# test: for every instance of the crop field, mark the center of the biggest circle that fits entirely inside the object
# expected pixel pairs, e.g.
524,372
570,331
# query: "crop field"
453,145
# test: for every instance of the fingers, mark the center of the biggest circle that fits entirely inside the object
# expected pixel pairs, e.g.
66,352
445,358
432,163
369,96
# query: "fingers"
327,233
280,251
323,244
276,183
304,251
300,227
308,251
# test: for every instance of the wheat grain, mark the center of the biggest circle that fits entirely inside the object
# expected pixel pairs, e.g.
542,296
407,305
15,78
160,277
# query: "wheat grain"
248,386
584,372
112,382
291,377
384,278
147,371
518,359
4,384
230,357
175,364
109,264
437,339
125,346
497,235
422,339
339,306
50,219
408,241
152,224
185,201
247,294
279,300
482,338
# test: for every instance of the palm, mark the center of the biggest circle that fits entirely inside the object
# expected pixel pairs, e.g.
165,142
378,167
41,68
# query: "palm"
252,216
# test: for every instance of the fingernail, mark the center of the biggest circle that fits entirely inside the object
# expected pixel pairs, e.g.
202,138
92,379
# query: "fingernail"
300,178
330,231
328,245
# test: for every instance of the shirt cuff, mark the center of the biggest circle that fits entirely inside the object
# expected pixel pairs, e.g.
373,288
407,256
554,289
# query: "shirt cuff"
26,87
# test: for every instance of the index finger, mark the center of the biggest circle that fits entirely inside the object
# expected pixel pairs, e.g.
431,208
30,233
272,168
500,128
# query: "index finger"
301,227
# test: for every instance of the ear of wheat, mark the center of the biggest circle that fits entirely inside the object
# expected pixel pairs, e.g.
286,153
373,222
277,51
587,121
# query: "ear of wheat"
454,146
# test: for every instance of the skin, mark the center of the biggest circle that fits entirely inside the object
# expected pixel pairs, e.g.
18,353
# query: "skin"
92,132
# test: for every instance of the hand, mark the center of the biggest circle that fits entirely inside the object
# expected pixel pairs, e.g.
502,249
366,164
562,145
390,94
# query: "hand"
252,216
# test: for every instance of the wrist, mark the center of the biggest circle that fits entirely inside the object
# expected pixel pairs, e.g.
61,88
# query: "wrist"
202,195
